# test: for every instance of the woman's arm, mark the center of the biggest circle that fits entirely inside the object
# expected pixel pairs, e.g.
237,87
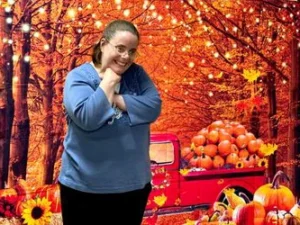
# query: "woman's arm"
88,108
143,108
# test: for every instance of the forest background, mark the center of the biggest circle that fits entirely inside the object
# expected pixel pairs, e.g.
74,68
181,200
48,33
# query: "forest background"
210,59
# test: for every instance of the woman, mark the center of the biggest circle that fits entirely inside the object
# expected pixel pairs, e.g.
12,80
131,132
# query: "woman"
110,104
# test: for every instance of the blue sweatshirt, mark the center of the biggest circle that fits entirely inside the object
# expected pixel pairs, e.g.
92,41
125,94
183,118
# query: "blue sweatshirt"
106,151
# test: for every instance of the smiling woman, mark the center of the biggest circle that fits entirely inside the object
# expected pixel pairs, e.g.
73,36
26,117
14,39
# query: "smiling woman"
110,104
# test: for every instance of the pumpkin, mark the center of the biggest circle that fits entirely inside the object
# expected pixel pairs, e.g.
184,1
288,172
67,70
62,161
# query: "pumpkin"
186,153
198,140
218,161
234,149
224,148
194,161
212,137
250,136
252,213
292,220
199,150
8,192
205,162
253,146
239,130
232,158
243,153
241,141
216,124
224,135
273,194
210,150
52,193
275,217
295,210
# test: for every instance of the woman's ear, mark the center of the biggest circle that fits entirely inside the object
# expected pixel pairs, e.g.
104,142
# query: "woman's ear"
102,42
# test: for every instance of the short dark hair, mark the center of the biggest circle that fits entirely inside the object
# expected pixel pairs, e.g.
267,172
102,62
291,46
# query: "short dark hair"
109,32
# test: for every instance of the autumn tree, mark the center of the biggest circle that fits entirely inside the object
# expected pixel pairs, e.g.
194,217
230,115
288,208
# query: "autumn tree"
6,97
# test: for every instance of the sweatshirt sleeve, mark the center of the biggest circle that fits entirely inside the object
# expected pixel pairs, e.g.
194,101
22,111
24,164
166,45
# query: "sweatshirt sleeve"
88,108
146,107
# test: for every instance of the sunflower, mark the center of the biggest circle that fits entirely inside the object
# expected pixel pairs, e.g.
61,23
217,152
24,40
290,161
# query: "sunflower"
263,162
37,211
239,164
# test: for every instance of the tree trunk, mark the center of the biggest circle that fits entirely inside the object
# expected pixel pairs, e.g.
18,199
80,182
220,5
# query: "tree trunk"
273,121
6,98
53,133
21,131
294,128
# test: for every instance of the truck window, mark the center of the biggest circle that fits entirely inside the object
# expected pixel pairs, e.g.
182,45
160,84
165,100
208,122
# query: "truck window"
162,152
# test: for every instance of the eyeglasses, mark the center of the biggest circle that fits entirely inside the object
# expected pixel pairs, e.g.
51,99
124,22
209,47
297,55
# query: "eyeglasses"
121,50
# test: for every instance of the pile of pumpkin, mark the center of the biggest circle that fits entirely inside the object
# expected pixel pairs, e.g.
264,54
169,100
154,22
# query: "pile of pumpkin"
272,204
223,144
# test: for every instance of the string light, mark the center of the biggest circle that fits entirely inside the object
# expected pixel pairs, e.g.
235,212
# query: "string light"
126,12
26,58
210,76
25,27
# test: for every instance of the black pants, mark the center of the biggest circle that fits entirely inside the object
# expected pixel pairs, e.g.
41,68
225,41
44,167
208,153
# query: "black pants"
80,208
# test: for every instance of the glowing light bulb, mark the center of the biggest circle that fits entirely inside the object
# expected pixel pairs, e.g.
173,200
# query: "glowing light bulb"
15,58
42,10
26,58
25,27
9,20
7,9
71,13
210,94
98,24
46,47
191,64
210,76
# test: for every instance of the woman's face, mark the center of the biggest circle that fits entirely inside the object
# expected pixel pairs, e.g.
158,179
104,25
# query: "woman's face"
119,52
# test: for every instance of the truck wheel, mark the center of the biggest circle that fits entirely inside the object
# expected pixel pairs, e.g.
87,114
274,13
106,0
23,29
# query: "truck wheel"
240,191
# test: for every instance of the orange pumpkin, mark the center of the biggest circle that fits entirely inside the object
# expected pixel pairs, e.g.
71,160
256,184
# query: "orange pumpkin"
239,130
275,195
241,141
199,150
243,153
252,213
224,135
186,153
224,148
8,192
205,162
213,137
194,161
253,146
216,124
218,161
232,158
234,149
210,150
198,140
275,217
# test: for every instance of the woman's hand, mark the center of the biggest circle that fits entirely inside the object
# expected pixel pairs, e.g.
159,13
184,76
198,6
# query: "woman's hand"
119,102
108,83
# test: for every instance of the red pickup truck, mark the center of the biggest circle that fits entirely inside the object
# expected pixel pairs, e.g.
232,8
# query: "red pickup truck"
197,188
